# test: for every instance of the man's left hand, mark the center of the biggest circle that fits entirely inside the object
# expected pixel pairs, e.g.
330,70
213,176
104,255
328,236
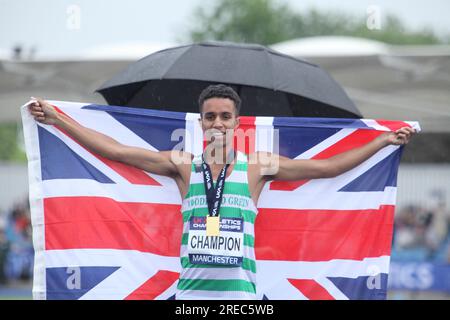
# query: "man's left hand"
401,136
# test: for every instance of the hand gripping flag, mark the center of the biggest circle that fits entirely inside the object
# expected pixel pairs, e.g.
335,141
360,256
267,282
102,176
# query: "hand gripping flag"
105,230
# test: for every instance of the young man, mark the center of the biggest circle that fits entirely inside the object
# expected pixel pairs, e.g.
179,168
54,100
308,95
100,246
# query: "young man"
217,253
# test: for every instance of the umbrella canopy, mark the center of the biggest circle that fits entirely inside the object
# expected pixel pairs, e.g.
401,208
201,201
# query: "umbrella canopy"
268,82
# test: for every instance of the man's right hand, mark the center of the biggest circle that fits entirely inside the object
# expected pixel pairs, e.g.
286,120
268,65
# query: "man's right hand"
42,111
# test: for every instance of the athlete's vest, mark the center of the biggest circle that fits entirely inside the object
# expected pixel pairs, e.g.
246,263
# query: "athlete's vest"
200,281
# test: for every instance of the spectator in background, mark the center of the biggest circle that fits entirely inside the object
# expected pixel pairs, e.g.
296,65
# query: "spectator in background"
4,248
405,228
439,226
19,260
423,234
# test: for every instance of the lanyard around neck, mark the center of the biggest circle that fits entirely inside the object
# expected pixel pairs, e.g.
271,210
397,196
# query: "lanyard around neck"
214,195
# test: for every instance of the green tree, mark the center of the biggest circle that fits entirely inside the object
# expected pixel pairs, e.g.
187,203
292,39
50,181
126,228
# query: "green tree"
269,21
250,21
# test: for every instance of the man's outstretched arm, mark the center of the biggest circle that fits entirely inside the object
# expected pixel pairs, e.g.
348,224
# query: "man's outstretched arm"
96,142
299,169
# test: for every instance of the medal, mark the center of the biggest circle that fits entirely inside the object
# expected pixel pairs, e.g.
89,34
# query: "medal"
212,226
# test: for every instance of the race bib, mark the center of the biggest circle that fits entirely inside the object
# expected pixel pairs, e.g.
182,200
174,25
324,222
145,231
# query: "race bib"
225,249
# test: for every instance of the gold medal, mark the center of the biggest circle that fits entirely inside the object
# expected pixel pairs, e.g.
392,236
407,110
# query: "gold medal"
212,226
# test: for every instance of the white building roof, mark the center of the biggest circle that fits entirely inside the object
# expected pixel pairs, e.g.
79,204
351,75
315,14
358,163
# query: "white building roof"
331,46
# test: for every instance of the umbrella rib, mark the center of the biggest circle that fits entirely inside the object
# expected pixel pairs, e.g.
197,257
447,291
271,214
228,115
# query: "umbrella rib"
269,62
164,75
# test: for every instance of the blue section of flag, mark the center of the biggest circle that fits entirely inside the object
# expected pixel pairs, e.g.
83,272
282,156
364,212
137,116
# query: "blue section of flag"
298,135
377,178
153,126
73,282
295,141
323,123
56,156
139,112
363,288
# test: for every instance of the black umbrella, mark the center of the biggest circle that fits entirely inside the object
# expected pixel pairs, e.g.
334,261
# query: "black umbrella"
269,83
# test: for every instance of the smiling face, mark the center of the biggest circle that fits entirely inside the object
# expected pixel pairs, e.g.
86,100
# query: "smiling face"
218,121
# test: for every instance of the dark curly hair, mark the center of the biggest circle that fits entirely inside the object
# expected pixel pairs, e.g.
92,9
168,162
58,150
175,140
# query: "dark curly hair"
219,91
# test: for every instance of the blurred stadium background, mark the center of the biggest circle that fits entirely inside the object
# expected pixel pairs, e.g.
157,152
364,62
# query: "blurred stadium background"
402,75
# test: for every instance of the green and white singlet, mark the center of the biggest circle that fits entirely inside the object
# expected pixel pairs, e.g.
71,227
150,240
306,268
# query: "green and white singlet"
200,281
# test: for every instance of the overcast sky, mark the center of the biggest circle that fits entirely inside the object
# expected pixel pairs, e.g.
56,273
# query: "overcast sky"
63,27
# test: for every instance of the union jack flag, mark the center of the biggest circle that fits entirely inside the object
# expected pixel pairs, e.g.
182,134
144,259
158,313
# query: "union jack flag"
105,230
